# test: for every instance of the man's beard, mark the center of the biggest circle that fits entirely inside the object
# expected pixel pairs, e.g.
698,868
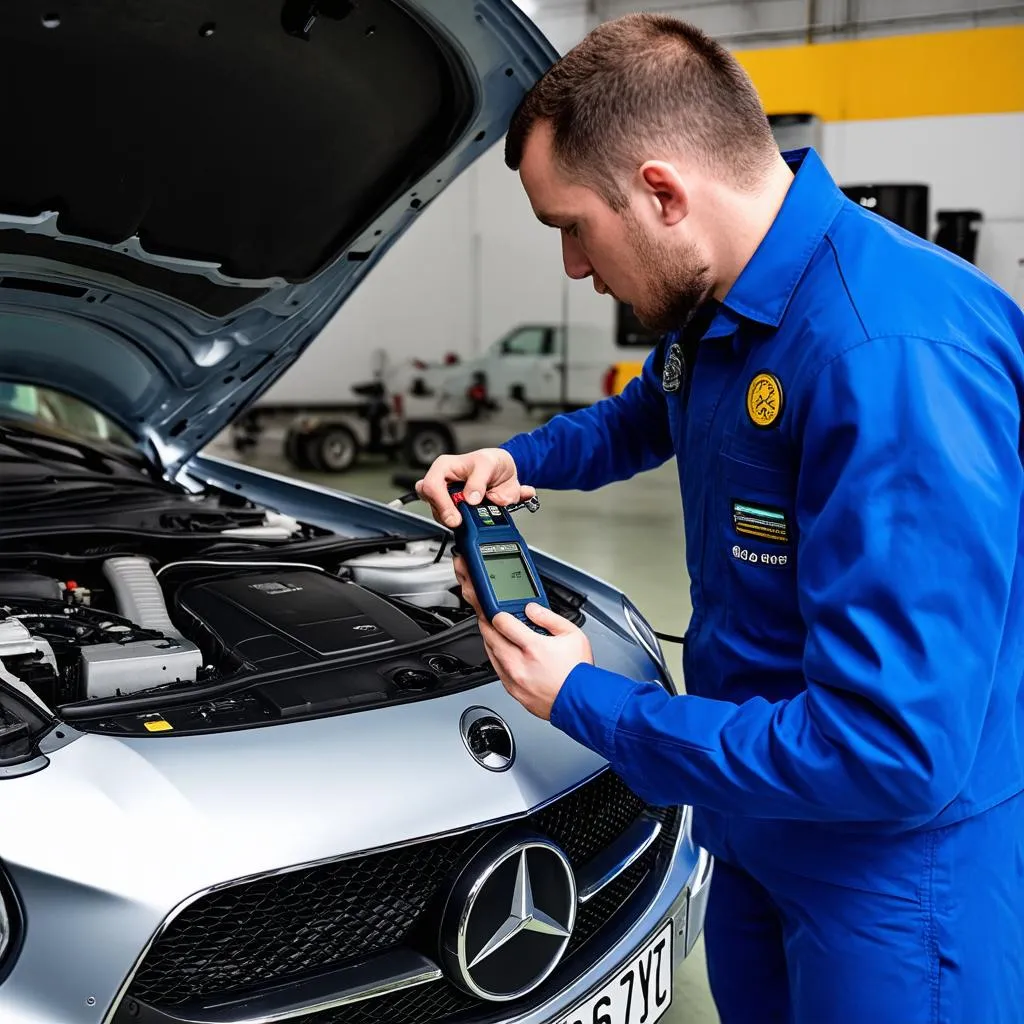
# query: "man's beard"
678,278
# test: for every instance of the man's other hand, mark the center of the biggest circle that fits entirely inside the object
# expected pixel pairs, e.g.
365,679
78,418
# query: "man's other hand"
489,473
533,668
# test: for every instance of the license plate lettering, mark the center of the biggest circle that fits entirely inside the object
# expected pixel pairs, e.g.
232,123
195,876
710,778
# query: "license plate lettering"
628,980
640,993
661,996
645,985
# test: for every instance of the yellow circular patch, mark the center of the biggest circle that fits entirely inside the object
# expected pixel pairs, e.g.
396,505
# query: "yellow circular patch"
764,399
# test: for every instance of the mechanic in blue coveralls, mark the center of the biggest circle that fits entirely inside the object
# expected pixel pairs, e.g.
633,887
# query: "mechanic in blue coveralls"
843,401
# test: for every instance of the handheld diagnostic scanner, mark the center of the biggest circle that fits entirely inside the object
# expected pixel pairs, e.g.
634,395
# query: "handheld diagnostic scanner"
498,559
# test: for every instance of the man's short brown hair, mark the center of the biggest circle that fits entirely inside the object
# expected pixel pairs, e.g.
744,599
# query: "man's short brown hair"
643,86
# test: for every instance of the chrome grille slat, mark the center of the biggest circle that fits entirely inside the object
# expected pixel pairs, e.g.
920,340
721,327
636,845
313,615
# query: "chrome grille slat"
396,970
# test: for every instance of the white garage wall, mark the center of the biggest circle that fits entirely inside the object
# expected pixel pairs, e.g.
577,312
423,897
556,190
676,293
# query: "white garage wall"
969,163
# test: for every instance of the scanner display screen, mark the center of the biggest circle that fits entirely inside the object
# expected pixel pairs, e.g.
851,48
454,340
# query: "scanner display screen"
510,578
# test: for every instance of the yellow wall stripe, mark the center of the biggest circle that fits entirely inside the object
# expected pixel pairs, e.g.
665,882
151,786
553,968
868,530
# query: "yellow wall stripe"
974,71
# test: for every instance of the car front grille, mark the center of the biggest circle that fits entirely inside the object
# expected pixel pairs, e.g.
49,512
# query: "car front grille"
244,937
441,1002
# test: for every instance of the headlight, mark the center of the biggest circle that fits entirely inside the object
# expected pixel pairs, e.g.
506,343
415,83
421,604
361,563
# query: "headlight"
648,640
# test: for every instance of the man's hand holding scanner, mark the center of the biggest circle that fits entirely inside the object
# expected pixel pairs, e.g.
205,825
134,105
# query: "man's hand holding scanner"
533,668
490,475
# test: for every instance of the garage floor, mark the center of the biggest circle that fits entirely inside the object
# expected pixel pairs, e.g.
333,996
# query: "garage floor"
629,534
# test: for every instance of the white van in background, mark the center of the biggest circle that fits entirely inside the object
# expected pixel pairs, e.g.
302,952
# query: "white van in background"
415,410
539,367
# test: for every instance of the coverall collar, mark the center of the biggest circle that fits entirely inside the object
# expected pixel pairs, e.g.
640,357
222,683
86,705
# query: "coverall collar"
766,284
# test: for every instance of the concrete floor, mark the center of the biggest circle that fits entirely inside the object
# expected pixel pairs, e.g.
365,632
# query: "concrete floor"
629,534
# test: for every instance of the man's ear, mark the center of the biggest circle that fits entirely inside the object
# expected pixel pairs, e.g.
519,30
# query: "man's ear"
664,188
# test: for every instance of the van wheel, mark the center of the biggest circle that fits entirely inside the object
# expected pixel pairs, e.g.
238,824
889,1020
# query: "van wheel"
297,445
424,442
334,450
517,393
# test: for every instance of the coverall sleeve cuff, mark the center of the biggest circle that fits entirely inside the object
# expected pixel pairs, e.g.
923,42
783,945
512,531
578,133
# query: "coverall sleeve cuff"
519,448
588,707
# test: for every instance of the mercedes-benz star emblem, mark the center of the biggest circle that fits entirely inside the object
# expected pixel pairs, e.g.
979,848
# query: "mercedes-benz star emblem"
524,916
509,918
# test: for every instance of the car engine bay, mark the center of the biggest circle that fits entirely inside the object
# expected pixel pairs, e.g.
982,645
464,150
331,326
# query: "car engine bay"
129,625
132,605
243,633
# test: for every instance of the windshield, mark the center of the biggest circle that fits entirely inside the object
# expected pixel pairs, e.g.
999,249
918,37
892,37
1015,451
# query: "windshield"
44,407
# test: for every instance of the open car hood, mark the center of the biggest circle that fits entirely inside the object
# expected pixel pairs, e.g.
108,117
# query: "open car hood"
190,190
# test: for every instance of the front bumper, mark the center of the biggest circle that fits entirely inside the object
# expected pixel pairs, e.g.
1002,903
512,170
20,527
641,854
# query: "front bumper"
680,897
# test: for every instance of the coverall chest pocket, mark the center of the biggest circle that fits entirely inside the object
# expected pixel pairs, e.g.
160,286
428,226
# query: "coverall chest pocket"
755,509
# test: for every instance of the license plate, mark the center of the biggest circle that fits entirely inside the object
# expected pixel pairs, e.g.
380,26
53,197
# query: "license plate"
640,993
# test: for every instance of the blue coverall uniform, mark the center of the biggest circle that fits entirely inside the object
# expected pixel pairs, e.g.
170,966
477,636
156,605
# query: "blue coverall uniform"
847,430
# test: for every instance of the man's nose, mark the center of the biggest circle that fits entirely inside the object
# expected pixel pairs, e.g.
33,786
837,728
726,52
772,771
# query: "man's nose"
574,259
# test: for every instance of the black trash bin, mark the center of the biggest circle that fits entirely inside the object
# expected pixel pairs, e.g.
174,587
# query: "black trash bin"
906,205
958,233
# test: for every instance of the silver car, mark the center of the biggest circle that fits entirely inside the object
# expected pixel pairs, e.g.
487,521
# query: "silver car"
254,763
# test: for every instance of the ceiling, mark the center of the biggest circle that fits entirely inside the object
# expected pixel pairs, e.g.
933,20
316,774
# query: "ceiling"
768,22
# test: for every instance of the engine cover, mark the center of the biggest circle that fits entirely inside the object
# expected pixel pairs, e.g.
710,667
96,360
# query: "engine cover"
294,618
